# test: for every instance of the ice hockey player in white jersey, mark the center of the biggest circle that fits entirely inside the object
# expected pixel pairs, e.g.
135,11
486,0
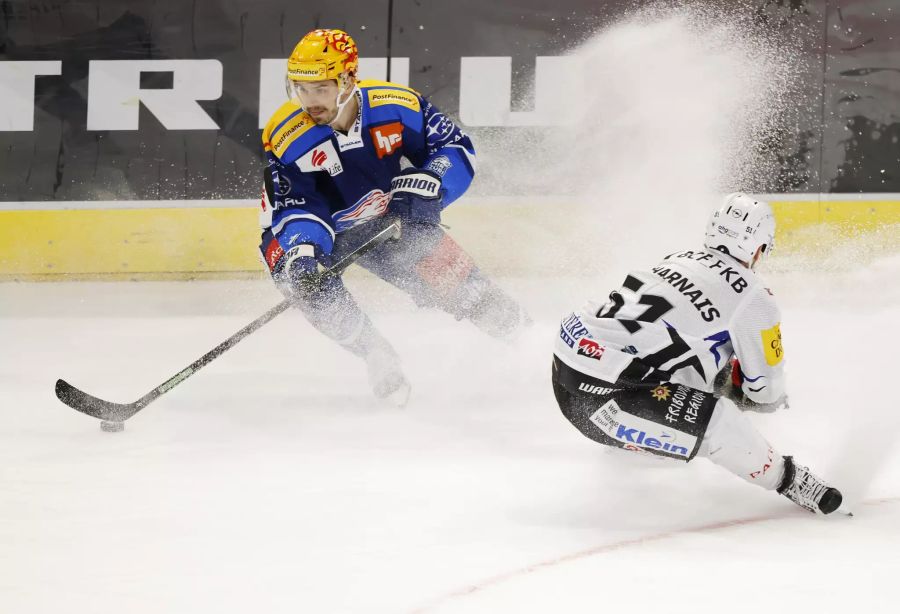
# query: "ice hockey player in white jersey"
638,371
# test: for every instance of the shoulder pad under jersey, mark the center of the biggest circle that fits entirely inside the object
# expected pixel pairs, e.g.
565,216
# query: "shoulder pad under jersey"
291,132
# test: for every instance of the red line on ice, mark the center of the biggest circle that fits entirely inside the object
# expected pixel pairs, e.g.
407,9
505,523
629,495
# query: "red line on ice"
637,541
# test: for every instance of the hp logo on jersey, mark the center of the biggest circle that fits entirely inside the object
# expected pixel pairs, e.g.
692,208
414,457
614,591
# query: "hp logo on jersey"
387,139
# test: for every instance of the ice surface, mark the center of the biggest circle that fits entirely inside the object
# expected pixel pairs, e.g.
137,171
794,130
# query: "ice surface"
272,482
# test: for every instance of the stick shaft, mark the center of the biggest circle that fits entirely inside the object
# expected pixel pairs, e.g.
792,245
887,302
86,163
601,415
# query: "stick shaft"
97,407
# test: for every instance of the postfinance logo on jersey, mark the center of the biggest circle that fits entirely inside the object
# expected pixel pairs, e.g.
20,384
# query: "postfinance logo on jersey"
289,132
771,340
380,97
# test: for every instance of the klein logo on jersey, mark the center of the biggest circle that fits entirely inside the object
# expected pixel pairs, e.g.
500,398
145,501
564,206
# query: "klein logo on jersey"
631,430
640,438
387,138
590,348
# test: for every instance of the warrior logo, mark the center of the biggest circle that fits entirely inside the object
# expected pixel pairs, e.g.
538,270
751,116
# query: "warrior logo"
584,386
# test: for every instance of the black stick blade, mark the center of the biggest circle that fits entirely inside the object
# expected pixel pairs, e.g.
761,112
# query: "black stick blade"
92,406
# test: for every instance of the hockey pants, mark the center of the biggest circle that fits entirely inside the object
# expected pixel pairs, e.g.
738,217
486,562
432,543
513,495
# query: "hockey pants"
425,263
644,419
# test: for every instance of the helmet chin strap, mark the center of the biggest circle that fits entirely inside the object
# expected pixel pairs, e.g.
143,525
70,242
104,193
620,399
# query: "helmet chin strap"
337,101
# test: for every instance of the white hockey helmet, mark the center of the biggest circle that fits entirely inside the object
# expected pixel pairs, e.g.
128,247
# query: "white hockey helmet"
740,226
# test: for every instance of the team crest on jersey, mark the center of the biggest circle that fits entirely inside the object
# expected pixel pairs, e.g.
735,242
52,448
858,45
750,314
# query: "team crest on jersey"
373,204
322,157
282,185
661,393
439,129
440,165
387,139
771,340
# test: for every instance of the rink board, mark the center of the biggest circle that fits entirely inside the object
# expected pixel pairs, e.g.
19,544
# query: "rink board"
200,239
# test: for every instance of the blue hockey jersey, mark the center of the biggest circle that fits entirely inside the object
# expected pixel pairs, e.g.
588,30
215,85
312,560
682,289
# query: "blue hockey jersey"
320,182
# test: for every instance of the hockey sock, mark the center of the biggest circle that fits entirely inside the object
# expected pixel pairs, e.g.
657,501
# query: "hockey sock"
731,441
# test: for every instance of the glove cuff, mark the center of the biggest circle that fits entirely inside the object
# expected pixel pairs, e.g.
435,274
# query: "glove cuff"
420,182
303,253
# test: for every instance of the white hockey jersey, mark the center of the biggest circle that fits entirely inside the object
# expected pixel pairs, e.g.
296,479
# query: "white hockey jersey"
682,321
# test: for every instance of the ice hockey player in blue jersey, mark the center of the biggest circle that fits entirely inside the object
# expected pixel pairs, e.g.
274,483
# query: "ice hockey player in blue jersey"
638,372
335,178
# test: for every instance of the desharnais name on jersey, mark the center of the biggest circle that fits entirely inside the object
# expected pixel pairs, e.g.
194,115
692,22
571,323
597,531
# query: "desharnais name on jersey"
320,181
682,321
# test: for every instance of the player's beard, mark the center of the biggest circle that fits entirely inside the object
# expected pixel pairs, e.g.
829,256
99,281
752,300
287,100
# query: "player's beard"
323,116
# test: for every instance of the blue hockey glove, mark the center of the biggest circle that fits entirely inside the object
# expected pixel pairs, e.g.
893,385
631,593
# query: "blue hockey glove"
301,270
416,196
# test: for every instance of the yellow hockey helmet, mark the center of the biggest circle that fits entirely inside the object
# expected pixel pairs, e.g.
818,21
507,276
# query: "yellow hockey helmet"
323,54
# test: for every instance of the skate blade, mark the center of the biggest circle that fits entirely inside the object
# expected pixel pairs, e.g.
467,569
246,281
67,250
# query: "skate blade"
842,511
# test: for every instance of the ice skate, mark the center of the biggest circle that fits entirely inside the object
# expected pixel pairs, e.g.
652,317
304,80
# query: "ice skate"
386,377
807,490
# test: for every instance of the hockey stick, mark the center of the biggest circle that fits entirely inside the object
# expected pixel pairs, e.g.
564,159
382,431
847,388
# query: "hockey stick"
119,412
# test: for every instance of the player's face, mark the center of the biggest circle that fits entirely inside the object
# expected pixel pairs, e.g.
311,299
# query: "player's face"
319,99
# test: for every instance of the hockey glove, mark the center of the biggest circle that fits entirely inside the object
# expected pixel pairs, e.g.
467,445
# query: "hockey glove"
416,197
734,391
301,271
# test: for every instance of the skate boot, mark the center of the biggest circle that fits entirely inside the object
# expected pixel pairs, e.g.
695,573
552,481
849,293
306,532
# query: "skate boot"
386,377
807,490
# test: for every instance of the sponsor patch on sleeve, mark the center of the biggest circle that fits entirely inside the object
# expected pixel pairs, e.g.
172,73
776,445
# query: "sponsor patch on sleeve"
590,348
379,97
771,340
289,132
